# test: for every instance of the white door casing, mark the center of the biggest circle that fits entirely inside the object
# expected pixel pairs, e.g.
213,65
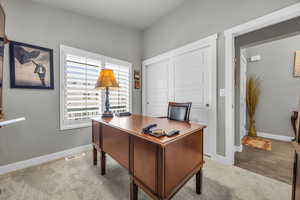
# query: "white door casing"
230,35
243,83
192,76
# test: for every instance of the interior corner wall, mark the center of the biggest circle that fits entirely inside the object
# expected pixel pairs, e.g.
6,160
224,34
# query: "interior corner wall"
194,20
278,31
49,27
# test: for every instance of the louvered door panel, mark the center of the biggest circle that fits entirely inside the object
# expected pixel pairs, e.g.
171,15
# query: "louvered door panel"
191,84
157,89
191,77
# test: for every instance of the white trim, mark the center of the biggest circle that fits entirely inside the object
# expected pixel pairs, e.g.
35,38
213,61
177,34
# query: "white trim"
12,121
222,159
210,42
243,105
42,159
238,148
275,137
267,20
79,52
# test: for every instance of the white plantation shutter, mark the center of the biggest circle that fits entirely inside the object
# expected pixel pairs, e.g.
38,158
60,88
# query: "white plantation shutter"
80,101
119,98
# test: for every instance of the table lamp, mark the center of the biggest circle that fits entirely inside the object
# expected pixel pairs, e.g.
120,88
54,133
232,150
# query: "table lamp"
105,81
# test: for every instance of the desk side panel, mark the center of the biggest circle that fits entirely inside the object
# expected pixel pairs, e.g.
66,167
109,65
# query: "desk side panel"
182,157
144,163
116,144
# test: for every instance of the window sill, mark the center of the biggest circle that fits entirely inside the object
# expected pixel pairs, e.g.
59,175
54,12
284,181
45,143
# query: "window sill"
75,126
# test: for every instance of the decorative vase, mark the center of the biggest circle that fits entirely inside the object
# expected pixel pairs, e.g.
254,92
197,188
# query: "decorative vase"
252,129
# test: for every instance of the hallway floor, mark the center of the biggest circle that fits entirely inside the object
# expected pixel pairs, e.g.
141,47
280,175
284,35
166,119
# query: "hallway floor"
276,164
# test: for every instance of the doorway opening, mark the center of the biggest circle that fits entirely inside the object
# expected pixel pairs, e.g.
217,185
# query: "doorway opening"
271,63
266,27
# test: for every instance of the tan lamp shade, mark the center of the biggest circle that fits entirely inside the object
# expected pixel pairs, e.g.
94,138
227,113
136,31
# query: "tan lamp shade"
106,79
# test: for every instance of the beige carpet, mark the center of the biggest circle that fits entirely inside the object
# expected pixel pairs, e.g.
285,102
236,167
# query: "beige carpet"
79,179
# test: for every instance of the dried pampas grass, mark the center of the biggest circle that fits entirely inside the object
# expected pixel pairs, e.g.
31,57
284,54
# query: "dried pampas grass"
252,97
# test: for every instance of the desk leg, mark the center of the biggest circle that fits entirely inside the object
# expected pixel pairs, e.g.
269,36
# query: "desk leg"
95,155
133,191
103,163
294,177
199,177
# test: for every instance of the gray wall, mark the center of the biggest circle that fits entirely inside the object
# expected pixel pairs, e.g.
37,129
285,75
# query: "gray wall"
280,90
49,27
196,19
275,32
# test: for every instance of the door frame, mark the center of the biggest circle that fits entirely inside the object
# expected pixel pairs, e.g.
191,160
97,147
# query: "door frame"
243,85
230,34
211,42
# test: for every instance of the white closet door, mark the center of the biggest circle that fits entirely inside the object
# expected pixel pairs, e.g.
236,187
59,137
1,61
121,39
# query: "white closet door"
191,84
157,89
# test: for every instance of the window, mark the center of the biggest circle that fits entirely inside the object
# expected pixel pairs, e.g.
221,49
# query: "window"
119,98
80,101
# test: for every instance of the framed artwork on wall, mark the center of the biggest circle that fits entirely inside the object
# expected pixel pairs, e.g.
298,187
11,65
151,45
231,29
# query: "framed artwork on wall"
297,64
137,79
30,66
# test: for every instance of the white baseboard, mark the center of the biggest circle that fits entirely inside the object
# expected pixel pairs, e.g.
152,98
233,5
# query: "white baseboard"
222,159
275,137
238,148
42,159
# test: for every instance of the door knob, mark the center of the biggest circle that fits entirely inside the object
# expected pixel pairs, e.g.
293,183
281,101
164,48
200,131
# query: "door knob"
207,105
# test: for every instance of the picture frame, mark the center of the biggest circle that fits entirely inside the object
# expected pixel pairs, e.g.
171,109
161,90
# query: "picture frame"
31,67
137,78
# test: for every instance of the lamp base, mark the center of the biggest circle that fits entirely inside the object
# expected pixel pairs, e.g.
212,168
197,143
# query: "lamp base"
107,114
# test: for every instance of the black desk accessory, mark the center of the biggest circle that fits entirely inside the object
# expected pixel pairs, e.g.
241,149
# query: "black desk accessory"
123,114
157,133
148,128
172,133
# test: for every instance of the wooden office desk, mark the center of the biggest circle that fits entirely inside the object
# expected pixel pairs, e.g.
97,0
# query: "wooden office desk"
159,166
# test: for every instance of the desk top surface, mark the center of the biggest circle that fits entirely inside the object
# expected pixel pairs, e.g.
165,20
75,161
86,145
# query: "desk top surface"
135,123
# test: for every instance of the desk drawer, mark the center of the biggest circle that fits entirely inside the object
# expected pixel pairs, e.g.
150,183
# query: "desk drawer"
116,144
